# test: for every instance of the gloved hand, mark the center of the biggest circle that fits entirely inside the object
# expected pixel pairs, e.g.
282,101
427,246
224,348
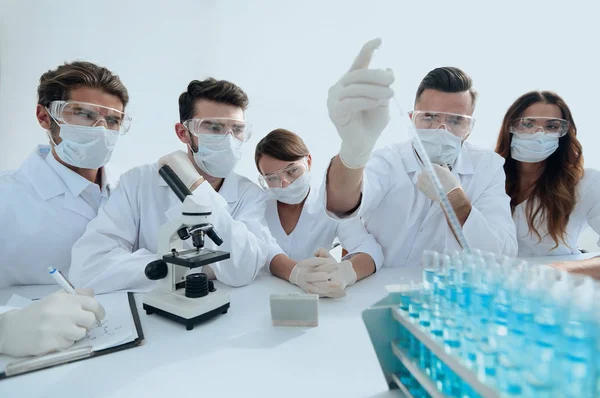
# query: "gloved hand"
448,180
358,106
183,167
345,276
52,323
312,275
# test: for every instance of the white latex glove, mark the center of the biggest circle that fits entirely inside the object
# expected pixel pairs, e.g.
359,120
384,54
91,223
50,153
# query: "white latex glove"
325,289
345,275
313,276
52,323
183,167
358,106
448,180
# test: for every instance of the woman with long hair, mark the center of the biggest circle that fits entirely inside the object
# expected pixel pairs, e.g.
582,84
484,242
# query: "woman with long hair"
553,198
302,232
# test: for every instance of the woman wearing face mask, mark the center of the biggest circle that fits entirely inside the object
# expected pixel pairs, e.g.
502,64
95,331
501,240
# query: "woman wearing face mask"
553,199
301,230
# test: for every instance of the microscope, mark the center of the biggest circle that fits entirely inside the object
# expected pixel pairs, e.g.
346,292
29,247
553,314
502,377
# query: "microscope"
187,299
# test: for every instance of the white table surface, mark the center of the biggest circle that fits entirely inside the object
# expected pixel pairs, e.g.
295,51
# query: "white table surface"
236,354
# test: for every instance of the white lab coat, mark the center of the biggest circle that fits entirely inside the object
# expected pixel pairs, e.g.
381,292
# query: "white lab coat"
586,212
43,211
315,230
405,222
123,239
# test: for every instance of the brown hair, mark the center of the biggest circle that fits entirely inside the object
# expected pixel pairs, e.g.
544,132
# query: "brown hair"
554,189
281,144
56,85
210,89
447,79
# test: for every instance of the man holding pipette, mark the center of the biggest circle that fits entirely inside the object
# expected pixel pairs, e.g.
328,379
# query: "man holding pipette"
392,189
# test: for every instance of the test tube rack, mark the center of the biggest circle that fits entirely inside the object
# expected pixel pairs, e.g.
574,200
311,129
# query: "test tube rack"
384,322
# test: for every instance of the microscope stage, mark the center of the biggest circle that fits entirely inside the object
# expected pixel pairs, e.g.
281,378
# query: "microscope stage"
195,258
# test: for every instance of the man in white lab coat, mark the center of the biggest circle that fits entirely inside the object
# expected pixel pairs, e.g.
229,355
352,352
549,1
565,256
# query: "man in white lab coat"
46,204
391,189
48,201
123,239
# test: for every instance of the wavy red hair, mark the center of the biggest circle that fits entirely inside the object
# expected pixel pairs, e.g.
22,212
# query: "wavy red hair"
554,192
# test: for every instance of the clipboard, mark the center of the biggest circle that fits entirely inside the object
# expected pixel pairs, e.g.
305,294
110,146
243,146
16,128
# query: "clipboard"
28,365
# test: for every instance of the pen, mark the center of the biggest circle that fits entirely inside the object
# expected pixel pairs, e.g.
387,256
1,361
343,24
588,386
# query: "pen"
63,282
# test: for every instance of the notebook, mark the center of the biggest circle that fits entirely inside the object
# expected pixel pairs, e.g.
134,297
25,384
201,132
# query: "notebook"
120,329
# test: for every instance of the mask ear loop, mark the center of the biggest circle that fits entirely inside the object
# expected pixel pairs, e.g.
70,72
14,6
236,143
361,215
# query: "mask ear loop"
48,132
191,139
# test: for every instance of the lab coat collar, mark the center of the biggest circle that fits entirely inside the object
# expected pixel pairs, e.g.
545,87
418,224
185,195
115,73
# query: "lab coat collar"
312,203
462,166
229,189
46,182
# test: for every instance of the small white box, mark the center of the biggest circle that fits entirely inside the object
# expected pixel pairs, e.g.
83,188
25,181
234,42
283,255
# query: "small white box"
295,309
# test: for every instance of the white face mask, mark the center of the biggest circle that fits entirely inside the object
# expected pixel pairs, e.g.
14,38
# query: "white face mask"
295,192
218,155
532,148
86,147
441,146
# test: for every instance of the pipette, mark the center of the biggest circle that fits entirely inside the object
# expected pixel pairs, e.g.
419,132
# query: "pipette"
444,202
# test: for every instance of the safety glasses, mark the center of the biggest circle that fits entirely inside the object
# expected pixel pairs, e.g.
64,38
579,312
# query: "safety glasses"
220,126
459,125
85,114
288,174
547,125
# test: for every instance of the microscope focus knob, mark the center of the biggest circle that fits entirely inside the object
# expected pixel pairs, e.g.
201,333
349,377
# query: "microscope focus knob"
156,270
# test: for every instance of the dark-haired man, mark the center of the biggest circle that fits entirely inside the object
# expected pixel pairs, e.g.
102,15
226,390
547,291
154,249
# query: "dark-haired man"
123,239
390,189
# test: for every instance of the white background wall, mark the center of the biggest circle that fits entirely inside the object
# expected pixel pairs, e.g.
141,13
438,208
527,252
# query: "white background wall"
286,54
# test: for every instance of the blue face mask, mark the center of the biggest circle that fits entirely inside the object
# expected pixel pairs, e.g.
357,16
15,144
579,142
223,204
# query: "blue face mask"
533,148
218,155
86,147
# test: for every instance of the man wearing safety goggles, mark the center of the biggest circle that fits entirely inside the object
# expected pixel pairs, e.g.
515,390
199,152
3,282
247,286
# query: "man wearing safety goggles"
49,200
393,192
117,246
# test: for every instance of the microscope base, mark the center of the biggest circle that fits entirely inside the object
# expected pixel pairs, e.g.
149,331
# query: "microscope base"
187,311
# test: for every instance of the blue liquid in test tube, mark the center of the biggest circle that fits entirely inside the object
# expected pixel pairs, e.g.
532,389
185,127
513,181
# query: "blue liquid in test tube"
430,263
578,338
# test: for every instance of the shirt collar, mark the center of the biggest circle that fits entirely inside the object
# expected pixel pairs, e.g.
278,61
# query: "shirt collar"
75,183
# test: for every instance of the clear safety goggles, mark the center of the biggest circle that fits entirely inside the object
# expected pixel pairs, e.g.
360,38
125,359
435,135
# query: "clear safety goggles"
222,126
547,125
85,114
288,174
459,125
